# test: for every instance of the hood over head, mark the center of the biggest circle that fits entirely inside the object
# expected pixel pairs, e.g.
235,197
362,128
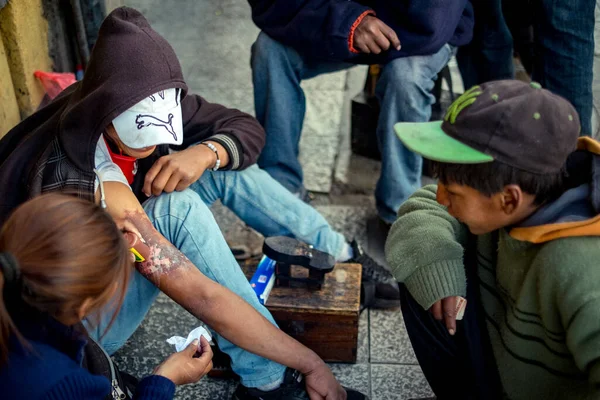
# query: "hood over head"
129,62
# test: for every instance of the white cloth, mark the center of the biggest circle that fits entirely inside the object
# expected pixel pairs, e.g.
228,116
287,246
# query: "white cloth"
106,168
181,343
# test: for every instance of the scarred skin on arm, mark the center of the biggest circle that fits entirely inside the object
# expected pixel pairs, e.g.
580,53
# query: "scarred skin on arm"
161,256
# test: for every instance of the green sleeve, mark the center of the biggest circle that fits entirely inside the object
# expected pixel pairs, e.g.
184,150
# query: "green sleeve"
425,249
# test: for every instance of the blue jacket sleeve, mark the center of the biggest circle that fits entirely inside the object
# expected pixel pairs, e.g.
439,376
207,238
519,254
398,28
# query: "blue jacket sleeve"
319,28
425,23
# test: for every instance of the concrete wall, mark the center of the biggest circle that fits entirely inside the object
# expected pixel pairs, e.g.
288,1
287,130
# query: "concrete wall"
9,109
24,33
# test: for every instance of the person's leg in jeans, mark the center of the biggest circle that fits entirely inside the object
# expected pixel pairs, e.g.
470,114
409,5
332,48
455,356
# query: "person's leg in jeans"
489,56
280,104
262,203
404,93
187,222
564,52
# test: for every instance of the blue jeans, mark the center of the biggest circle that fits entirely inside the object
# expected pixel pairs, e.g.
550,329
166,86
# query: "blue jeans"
489,56
404,92
184,218
563,50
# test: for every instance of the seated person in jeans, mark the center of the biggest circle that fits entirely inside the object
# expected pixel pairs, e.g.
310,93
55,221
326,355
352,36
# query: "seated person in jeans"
513,226
300,39
62,259
107,139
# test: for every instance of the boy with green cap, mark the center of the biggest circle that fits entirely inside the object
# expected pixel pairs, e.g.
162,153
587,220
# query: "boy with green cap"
513,227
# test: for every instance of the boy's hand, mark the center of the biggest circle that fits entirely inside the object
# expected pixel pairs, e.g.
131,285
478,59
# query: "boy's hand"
445,310
179,170
373,36
321,384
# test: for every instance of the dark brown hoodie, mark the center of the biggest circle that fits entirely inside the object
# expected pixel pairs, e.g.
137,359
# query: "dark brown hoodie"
53,150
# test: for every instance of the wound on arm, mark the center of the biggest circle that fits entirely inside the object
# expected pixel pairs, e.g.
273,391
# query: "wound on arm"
162,258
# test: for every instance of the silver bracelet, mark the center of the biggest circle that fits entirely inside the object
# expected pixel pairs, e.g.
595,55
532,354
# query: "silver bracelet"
214,149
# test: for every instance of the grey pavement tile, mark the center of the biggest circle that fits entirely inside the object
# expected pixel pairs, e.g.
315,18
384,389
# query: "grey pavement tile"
241,99
139,367
214,50
165,319
350,221
181,19
236,9
206,388
226,219
221,59
236,232
398,382
362,354
389,340
354,376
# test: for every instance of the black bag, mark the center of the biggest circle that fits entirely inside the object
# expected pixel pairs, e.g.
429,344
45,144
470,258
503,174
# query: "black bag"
97,361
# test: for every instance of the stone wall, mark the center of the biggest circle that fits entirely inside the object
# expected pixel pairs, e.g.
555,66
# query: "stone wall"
24,33
9,109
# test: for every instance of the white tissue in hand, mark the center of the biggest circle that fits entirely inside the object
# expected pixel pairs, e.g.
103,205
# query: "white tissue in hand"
181,342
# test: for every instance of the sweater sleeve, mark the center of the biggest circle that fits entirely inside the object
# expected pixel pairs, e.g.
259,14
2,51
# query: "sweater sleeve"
425,249
154,387
319,28
79,384
239,133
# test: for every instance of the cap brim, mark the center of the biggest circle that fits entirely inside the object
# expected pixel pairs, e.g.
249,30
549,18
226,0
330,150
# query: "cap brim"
138,130
429,140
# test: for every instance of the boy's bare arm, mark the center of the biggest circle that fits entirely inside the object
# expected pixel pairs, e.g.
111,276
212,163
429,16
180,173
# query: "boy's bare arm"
227,313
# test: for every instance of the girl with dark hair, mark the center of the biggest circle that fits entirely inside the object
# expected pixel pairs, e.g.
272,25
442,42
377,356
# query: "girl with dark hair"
63,259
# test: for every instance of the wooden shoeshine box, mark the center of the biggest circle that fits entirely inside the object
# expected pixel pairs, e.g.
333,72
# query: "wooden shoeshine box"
324,320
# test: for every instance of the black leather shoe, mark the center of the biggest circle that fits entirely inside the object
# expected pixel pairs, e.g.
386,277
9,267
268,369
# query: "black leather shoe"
379,288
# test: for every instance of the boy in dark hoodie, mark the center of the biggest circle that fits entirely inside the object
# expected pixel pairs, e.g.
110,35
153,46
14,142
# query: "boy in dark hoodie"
513,227
109,138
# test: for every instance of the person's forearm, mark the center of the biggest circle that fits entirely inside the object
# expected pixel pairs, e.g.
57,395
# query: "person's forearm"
223,310
240,323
